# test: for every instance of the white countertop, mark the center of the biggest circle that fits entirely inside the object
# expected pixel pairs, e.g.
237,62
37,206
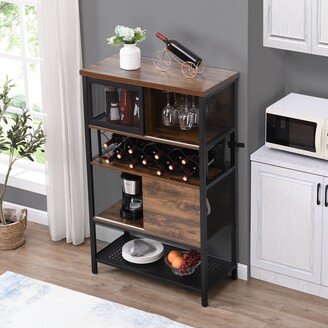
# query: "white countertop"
292,161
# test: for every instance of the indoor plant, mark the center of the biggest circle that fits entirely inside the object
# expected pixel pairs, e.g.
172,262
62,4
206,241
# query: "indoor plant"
19,140
130,58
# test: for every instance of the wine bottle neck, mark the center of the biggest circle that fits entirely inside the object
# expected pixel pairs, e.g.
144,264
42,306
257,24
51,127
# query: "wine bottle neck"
162,37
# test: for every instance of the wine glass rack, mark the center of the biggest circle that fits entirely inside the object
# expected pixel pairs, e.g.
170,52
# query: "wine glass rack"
188,177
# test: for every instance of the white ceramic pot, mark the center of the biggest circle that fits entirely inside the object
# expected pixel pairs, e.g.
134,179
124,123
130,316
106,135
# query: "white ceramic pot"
130,58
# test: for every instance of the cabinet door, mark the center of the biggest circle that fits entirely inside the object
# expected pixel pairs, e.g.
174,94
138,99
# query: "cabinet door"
115,106
286,222
324,276
320,27
287,24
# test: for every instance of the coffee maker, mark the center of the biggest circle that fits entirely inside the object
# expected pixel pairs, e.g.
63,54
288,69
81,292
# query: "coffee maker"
131,197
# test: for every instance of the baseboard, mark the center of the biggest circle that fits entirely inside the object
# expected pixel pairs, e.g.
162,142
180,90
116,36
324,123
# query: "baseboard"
289,282
34,215
242,271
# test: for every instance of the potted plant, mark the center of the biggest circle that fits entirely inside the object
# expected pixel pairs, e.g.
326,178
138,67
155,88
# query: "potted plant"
130,58
19,140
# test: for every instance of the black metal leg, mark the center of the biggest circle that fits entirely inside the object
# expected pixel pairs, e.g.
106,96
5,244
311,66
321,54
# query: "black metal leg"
234,274
93,238
203,156
93,243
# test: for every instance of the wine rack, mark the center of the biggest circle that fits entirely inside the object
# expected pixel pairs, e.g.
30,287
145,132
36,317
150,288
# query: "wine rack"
188,177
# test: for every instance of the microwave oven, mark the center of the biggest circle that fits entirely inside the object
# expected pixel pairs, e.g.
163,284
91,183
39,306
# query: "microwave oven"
298,124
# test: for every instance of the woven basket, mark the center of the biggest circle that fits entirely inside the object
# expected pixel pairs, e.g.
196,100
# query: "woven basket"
12,235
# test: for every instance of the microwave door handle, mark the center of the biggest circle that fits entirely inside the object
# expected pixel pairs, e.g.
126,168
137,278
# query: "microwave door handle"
326,196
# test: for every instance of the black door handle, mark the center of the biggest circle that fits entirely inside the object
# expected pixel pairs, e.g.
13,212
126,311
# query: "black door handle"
326,196
318,193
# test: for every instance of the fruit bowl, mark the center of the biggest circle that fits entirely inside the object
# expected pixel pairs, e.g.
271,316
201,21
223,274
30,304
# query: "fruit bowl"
188,271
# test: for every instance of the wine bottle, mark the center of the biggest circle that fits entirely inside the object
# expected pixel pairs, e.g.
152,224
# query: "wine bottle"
189,157
158,155
133,164
189,173
173,165
180,50
132,149
136,145
114,139
126,109
160,171
120,154
145,159
109,159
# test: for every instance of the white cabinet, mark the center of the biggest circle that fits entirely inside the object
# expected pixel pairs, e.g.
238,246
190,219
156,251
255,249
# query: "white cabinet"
320,27
287,24
297,25
324,275
286,222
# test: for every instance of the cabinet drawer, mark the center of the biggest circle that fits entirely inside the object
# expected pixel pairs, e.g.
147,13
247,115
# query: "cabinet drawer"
128,116
171,210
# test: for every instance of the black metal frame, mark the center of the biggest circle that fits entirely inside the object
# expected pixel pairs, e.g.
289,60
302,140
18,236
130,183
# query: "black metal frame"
206,279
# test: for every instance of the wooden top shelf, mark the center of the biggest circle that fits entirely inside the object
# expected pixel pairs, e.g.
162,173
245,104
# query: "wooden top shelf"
172,80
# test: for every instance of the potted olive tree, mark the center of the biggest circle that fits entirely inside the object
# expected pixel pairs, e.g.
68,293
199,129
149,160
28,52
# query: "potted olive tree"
19,140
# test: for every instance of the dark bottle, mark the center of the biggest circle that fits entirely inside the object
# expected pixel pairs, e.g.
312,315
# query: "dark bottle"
114,140
126,109
121,148
109,159
160,171
189,173
135,146
189,157
133,164
120,154
158,155
173,165
145,158
180,50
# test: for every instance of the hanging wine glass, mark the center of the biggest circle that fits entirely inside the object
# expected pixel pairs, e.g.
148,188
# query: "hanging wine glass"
175,110
186,117
167,113
195,111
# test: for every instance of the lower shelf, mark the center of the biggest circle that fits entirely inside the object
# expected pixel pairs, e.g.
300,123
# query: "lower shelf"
112,255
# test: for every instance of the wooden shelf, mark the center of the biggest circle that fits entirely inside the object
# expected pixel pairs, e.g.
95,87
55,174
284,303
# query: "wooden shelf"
173,80
150,172
111,217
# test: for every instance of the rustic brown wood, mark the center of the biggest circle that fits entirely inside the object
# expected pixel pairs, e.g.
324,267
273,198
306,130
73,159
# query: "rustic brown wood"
170,210
146,172
112,217
233,304
173,80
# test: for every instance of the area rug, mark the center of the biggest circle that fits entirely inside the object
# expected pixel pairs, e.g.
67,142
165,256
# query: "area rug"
27,303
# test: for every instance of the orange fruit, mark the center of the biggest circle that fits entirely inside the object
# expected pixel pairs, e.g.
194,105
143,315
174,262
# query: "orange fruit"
177,262
173,255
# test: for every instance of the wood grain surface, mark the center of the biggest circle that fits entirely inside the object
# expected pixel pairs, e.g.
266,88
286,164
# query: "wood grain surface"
233,304
173,80
171,210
